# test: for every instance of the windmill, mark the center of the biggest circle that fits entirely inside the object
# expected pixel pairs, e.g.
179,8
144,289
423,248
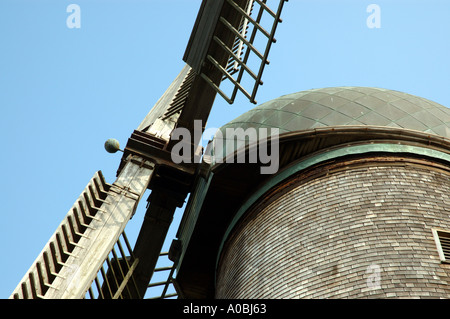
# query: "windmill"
89,255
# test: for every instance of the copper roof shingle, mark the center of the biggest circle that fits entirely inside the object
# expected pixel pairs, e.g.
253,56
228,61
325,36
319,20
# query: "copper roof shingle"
348,106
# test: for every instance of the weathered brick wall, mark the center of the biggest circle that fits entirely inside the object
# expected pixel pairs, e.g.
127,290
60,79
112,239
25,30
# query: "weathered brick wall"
330,237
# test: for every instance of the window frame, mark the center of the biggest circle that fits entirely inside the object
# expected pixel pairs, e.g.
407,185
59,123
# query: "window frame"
444,256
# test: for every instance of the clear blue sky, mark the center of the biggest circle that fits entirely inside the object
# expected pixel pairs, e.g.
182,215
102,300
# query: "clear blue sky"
64,91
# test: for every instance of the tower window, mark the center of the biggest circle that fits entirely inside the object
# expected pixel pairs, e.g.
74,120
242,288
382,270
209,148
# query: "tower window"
442,240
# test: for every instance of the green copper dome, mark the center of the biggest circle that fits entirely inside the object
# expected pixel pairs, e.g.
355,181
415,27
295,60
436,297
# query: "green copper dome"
347,106
334,107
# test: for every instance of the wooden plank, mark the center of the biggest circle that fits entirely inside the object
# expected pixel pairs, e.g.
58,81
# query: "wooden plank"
151,237
48,263
164,101
121,202
202,32
126,279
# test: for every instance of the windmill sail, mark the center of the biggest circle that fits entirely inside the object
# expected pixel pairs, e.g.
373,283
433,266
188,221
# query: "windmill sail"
235,22
70,260
89,255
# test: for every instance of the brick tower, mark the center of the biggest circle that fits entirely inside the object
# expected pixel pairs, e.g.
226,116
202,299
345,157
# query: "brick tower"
359,207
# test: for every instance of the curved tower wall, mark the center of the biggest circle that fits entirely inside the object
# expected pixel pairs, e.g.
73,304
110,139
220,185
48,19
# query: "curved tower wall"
356,228
354,211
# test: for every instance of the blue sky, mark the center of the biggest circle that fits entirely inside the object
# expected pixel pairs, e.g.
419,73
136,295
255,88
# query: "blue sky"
64,91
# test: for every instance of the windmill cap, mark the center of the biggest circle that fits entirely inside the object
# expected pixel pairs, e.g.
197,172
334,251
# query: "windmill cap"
337,106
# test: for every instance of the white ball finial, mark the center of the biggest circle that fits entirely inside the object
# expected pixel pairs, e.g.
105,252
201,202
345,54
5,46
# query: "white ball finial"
112,145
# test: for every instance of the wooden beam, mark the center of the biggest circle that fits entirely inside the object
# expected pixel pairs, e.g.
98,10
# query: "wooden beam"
82,266
151,237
